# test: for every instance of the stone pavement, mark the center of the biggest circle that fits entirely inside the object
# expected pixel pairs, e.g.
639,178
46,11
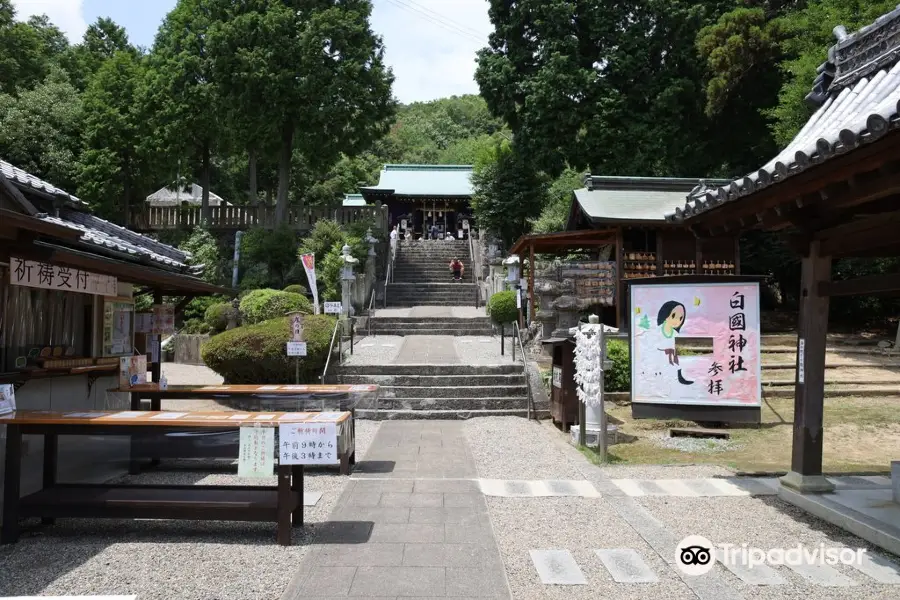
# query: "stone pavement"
412,523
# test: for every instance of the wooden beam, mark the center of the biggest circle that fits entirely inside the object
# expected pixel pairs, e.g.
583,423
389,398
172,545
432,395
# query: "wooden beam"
860,235
861,286
809,382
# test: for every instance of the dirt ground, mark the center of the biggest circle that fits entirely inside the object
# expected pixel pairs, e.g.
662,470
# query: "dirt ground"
861,434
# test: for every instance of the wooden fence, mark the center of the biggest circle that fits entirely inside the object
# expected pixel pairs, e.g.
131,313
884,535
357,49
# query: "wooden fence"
161,218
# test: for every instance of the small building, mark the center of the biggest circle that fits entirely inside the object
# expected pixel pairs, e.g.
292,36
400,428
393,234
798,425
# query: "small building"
180,196
425,195
68,283
620,224
353,200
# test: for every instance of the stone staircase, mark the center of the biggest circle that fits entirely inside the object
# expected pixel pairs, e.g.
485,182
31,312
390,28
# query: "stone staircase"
422,275
404,326
441,391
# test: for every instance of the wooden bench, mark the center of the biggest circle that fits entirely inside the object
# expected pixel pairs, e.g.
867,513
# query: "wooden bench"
281,504
261,397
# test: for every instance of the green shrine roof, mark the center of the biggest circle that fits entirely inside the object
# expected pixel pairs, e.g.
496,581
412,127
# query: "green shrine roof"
424,180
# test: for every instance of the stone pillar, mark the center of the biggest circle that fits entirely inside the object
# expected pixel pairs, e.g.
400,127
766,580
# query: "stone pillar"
567,314
347,278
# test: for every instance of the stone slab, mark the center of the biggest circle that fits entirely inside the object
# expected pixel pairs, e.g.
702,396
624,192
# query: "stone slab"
758,575
359,555
625,565
427,349
823,575
477,583
398,581
408,533
311,498
557,567
879,568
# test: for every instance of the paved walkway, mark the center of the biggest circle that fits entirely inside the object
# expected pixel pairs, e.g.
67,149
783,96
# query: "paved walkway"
412,523
431,350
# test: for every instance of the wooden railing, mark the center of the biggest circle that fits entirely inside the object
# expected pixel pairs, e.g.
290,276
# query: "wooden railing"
160,218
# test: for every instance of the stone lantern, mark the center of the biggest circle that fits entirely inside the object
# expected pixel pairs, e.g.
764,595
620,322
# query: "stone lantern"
370,264
513,270
347,277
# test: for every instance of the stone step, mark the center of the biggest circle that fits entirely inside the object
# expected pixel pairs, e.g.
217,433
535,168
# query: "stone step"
513,368
435,380
429,321
413,302
436,331
452,392
385,415
474,403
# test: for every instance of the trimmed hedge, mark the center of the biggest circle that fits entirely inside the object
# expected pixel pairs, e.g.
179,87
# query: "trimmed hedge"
262,305
502,307
296,289
618,377
217,316
258,353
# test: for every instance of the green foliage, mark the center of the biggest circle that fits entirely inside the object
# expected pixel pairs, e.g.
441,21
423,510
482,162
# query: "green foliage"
195,327
24,55
555,214
618,377
508,192
218,315
204,250
40,130
196,308
265,304
276,250
256,353
502,307
113,175
296,288
323,237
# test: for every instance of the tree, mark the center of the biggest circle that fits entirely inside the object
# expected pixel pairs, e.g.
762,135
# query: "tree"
113,172
608,86
508,192
183,89
327,88
555,214
24,57
100,42
40,129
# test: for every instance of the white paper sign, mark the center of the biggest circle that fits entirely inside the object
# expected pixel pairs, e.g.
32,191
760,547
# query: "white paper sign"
801,360
308,444
257,452
7,398
332,308
518,298
296,348
557,377
46,276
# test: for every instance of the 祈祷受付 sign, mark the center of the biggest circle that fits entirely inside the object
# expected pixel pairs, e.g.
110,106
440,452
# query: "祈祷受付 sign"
47,276
721,316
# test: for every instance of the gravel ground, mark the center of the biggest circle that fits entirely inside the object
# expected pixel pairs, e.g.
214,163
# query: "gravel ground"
765,522
376,350
187,560
578,525
692,445
514,448
484,350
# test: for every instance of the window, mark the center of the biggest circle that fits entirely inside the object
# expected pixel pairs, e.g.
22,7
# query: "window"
36,320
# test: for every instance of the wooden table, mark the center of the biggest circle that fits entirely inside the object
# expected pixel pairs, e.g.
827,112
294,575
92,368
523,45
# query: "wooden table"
282,504
259,397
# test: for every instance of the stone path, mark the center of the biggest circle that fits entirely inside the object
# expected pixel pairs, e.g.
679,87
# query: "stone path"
411,523
457,312
627,566
433,350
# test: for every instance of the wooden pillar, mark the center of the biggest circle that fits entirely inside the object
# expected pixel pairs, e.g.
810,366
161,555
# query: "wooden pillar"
737,255
531,283
620,274
698,259
156,368
809,386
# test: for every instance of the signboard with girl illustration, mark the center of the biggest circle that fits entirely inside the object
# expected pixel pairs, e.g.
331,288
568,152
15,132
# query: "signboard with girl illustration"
720,316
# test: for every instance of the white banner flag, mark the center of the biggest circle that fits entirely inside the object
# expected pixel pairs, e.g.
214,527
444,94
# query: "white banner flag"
309,263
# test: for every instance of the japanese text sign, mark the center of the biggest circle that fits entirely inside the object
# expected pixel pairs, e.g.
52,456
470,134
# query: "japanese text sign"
256,457
296,348
720,316
308,444
163,319
333,308
46,276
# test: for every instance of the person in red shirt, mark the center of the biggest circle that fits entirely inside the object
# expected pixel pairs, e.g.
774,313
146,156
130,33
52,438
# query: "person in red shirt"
457,267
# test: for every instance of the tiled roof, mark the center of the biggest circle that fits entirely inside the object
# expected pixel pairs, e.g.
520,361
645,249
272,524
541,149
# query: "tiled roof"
636,198
27,182
857,91
425,180
354,200
194,195
96,231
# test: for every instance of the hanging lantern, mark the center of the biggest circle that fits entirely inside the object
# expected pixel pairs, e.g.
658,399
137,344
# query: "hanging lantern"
440,213
429,213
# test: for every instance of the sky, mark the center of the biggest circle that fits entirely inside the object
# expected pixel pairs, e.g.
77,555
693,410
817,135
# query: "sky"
429,44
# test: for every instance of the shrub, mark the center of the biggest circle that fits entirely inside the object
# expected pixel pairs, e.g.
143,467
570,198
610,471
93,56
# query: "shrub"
217,316
323,237
194,326
618,377
502,307
196,308
258,354
262,305
275,250
296,289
